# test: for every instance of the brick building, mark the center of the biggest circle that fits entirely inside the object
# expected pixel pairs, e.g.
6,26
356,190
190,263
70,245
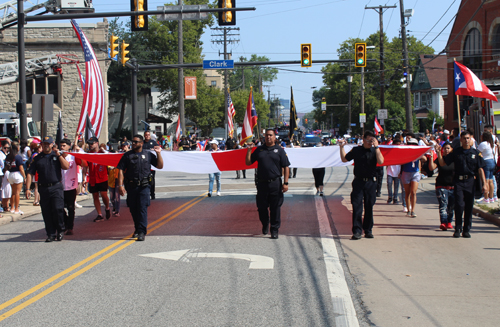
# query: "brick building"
48,39
474,41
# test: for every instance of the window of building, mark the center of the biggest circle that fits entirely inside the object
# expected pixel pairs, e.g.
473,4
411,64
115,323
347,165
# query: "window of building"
214,83
472,52
496,41
423,100
416,100
43,85
429,99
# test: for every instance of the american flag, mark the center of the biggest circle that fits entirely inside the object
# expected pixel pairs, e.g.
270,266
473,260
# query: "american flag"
93,97
230,114
82,79
250,120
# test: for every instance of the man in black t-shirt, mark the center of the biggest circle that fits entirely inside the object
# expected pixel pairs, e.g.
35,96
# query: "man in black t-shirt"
364,185
272,161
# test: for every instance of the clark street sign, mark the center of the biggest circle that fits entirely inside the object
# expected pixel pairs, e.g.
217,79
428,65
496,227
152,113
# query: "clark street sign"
218,64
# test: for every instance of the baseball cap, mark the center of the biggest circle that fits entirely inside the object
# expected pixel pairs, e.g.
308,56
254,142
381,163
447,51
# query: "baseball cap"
126,143
213,142
446,131
92,140
48,139
412,141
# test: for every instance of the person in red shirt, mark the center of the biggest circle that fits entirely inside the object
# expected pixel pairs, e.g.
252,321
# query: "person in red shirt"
98,181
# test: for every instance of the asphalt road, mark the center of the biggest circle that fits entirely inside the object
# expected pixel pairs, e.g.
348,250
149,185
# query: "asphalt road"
205,263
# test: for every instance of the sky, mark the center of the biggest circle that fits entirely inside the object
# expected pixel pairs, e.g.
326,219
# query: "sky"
277,28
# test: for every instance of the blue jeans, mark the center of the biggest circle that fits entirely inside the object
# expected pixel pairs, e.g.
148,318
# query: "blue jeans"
446,200
211,178
114,196
393,180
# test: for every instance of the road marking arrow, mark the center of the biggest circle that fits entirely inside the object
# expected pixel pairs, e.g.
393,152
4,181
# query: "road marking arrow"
256,261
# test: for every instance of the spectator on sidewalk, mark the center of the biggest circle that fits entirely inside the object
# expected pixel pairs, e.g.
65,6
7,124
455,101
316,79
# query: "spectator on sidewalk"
486,147
14,164
444,187
4,183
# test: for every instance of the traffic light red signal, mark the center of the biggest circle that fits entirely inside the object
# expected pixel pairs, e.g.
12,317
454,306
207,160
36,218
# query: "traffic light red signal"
227,17
360,55
305,55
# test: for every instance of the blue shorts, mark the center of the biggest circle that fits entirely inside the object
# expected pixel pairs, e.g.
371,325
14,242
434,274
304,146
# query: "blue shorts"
489,168
408,177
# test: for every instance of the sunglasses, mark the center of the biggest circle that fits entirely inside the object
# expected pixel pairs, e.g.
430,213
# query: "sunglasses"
135,142
6,147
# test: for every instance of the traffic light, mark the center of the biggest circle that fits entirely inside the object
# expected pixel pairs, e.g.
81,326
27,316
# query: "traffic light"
124,53
113,46
306,120
139,23
305,55
360,58
227,17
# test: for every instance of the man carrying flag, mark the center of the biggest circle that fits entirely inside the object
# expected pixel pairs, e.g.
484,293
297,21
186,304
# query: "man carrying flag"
250,120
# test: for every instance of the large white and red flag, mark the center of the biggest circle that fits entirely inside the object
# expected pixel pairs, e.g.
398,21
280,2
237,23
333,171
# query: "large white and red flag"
378,127
93,100
230,114
250,120
205,162
467,83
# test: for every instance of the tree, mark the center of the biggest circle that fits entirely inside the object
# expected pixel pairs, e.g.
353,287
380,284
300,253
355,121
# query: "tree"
245,76
335,77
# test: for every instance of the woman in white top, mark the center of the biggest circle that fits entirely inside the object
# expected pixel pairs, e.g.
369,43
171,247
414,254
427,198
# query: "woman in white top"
486,149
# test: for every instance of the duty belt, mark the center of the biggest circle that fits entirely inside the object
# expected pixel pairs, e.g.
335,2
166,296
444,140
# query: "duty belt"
47,184
367,179
260,180
463,177
136,182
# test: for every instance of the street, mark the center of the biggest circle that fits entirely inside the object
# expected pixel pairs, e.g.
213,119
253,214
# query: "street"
206,263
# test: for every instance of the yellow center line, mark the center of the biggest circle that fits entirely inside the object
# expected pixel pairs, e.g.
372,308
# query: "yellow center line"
175,213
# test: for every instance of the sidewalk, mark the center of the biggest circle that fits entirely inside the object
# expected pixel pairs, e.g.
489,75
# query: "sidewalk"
427,185
29,209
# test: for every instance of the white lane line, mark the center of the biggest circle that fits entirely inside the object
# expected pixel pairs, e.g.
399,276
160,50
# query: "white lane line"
343,307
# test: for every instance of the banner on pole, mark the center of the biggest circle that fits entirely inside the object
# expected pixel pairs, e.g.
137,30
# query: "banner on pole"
190,87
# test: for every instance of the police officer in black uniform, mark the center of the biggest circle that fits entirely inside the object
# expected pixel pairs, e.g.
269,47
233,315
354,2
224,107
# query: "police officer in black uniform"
134,177
150,144
468,163
48,165
364,185
273,162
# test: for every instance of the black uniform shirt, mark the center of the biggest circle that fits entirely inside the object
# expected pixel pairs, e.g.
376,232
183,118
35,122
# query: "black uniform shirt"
47,166
149,144
467,162
365,161
446,174
137,165
271,160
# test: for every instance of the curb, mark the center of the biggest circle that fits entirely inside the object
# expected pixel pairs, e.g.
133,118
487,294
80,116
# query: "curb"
486,215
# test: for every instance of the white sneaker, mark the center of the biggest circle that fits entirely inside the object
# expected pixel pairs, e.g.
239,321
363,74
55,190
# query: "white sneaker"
218,193
405,209
481,200
77,205
495,199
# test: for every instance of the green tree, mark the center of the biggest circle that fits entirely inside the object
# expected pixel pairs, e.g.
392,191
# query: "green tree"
245,76
335,77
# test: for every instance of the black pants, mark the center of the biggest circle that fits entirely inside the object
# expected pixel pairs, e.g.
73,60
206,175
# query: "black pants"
153,175
319,175
244,172
270,195
52,205
362,193
69,204
380,177
294,172
464,202
138,202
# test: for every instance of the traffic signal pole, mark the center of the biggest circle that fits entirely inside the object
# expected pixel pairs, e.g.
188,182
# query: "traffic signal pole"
180,54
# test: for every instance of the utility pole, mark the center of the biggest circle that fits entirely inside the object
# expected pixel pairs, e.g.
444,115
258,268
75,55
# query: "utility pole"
180,54
21,105
409,114
380,10
226,55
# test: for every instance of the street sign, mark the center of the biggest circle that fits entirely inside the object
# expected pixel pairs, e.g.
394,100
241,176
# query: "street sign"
382,114
361,124
353,124
382,122
185,16
323,106
349,131
218,64
362,118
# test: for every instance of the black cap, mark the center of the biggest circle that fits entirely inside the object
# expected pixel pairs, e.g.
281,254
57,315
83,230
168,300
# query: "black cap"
126,143
92,140
48,139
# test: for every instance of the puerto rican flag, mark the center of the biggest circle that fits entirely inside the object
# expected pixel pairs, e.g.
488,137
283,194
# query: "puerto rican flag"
378,127
467,83
201,145
207,162
93,97
230,114
178,130
250,120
